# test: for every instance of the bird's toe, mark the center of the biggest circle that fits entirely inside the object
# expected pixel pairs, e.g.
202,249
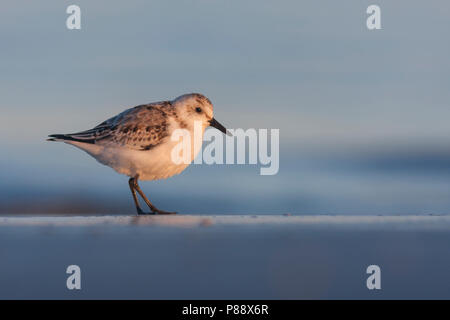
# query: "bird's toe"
143,213
164,212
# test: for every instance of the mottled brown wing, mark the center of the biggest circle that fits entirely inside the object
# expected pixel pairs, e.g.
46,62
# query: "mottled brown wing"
141,128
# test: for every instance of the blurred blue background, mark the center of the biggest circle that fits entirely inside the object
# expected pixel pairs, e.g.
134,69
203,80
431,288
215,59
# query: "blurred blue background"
363,115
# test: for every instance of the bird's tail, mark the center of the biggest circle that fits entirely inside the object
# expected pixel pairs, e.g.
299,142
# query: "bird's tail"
58,137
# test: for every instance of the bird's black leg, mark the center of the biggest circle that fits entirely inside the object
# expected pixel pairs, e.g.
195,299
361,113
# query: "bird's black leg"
131,183
134,186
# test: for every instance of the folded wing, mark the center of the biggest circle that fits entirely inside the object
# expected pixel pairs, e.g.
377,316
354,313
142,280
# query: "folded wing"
141,128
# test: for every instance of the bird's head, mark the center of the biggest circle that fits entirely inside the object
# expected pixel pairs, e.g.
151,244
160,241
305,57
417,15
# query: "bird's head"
196,107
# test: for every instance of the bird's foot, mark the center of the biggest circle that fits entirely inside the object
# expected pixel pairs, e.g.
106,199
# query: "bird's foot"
142,213
157,211
153,212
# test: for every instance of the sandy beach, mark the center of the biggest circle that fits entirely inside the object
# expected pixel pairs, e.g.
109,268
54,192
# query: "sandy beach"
224,257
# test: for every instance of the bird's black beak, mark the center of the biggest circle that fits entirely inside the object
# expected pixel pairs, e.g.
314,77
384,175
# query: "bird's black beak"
214,123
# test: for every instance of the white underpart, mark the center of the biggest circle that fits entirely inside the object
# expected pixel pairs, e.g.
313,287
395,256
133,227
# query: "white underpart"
152,164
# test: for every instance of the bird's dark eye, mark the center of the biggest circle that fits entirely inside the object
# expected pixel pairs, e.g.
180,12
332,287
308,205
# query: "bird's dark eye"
198,109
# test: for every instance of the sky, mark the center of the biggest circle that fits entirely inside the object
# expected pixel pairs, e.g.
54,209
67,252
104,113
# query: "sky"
363,115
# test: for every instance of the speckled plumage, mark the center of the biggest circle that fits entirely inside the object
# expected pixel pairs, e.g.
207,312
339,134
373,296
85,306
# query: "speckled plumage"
137,141
141,128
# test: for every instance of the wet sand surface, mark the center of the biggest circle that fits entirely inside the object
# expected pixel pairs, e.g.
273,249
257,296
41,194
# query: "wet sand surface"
225,257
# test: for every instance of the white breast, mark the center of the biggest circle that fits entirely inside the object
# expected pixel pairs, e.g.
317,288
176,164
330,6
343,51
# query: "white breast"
153,164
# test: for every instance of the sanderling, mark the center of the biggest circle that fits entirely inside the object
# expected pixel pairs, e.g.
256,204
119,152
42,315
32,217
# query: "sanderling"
137,142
